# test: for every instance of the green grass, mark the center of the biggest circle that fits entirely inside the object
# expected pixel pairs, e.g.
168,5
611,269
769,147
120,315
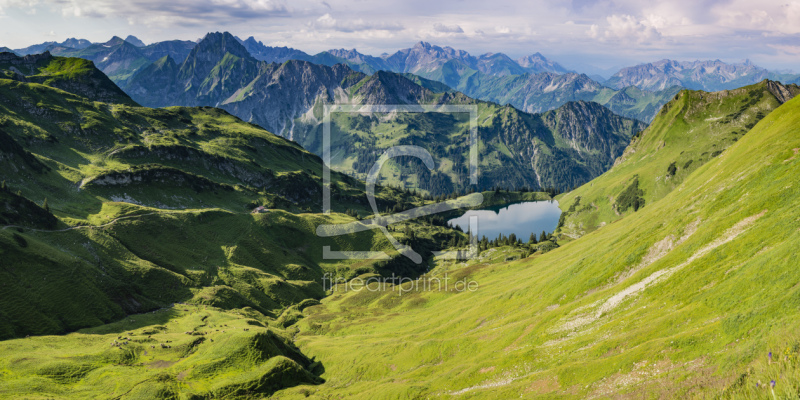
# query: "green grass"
153,207
83,141
540,326
690,131
211,353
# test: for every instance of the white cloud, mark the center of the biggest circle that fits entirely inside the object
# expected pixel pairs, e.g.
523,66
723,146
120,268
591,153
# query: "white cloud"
793,50
625,28
181,12
327,22
773,16
29,6
438,27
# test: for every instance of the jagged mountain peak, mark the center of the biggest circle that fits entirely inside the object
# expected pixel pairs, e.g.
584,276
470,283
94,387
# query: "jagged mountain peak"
251,40
709,75
115,41
537,62
391,88
345,52
134,41
76,43
221,43
210,51
261,52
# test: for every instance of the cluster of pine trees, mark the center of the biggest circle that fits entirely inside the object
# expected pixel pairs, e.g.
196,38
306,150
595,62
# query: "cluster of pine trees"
513,240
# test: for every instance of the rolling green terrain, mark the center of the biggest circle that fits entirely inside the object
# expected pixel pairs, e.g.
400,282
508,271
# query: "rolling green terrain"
690,131
73,75
694,296
112,213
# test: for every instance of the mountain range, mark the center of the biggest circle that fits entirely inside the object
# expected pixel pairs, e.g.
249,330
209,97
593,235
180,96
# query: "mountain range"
532,83
711,75
560,148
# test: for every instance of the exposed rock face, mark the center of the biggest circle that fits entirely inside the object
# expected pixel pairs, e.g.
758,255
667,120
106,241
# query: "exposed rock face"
425,56
272,54
156,84
284,92
156,175
591,128
177,50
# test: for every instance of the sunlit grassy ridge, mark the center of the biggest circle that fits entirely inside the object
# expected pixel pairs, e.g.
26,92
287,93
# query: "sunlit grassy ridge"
690,131
180,352
683,298
74,75
120,152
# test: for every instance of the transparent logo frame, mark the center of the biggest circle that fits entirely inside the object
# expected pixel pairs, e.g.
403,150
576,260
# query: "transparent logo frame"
382,221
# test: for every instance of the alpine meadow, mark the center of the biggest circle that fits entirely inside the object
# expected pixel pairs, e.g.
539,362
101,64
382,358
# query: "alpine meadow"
542,200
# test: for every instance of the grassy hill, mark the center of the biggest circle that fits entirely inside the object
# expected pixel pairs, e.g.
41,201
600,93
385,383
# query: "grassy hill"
693,296
691,130
127,233
73,75
133,227
115,209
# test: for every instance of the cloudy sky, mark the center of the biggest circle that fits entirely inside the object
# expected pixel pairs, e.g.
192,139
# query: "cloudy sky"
578,33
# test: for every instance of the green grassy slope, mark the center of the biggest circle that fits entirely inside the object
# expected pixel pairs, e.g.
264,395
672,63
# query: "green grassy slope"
114,152
684,298
181,352
153,207
113,213
691,130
